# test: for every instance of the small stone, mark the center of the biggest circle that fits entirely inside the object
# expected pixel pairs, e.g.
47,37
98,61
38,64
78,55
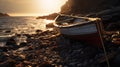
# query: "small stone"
7,31
79,65
38,31
72,64
8,63
85,63
22,56
27,62
11,41
23,44
19,65
46,64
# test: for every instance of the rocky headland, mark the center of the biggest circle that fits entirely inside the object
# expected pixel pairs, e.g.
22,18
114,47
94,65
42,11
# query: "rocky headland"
48,17
88,6
3,14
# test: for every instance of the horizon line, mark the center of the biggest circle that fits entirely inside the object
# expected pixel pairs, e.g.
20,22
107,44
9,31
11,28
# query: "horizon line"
26,14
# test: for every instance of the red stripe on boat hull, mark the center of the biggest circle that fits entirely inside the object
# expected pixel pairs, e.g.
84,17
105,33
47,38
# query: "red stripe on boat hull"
93,39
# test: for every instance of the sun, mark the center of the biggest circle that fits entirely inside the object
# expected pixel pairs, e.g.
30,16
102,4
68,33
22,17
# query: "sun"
50,6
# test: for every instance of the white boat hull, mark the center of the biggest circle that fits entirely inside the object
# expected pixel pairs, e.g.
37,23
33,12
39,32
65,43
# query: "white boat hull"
79,30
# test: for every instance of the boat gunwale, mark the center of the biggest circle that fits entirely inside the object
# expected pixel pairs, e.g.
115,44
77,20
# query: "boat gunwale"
92,22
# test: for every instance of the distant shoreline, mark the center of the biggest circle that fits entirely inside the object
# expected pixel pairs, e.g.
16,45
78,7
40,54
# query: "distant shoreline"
48,17
4,15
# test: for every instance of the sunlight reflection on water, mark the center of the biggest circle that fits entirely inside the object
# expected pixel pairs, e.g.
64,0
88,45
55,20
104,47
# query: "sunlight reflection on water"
23,24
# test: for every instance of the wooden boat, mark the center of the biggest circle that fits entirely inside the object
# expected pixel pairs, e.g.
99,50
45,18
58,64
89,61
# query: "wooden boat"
80,28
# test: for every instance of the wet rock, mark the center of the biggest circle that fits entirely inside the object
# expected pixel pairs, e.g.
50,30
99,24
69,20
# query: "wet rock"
3,57
7,31
46,64
19,65
20,39
38,31
116,61
8,63
11,43
116,41
27,35
27,62
113,26
50,25
116,38
23,44
3,49
22,56
19,58
22,49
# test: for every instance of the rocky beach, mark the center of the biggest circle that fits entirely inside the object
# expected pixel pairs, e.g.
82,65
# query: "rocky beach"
50,49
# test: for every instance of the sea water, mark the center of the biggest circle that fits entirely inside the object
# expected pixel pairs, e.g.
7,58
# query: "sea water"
19,25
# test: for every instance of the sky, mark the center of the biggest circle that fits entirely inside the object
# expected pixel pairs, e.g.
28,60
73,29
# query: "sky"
30,7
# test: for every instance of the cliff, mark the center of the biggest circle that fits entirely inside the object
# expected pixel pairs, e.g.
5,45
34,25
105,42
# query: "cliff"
88,6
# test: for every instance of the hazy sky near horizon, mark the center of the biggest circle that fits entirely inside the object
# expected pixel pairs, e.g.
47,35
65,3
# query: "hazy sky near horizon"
30,7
